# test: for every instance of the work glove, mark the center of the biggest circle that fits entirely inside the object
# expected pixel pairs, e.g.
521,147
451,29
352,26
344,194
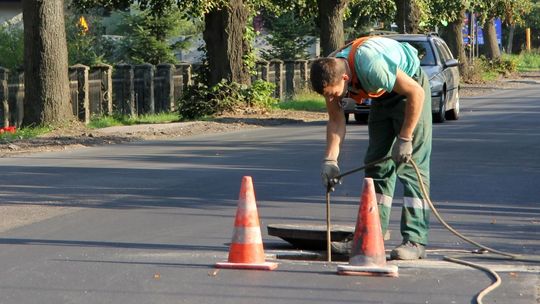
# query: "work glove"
329,171
402,150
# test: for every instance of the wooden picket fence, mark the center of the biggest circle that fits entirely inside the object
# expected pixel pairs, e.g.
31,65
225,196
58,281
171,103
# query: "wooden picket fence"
137,89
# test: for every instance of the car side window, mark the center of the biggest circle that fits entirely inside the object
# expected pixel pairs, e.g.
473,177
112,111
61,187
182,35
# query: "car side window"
439,51
443,51
425,53
447,50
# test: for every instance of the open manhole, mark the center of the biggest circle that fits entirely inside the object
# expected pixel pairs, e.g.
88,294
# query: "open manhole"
309,241
309,237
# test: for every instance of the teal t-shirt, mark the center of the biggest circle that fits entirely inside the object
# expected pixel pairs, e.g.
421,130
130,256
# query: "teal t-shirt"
377,60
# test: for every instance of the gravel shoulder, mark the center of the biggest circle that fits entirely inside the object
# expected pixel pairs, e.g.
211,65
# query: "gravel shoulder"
78,136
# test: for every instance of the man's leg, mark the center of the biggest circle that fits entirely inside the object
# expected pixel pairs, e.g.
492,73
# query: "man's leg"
415,211
381,138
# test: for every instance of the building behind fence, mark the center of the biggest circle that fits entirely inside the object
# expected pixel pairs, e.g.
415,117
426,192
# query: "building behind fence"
137,89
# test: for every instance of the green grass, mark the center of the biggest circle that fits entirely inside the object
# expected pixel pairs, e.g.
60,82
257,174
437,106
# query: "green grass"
528,61
490,75
24,133
109,121
509,63
304,102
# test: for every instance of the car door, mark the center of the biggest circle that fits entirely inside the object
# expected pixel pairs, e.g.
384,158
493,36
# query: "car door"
451,74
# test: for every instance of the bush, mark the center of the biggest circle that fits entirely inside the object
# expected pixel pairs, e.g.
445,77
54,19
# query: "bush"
225,97
504,65
473,73
11,47
259,95
483,69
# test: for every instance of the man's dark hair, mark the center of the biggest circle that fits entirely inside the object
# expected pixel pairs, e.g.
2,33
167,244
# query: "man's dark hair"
325,71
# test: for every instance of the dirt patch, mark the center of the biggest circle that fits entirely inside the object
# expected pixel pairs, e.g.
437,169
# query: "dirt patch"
77,135
514,81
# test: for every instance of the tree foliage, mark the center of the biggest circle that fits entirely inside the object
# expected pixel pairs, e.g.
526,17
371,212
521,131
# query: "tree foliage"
225,18
84,46
514,11
361,15
288,38
511,11
11,46
305,10
138,36
532,19
328,15
148,37
156,7
446,11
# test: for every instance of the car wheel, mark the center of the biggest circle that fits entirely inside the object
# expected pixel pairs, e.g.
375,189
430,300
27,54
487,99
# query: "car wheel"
453,114
346,118
440,117
361,117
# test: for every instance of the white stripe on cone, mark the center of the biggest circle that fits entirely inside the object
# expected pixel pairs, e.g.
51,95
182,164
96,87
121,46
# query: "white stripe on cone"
247,235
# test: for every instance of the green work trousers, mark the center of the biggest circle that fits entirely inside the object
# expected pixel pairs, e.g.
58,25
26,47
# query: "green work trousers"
385,121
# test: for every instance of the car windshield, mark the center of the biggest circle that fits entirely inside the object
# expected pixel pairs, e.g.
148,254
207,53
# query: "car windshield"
425,52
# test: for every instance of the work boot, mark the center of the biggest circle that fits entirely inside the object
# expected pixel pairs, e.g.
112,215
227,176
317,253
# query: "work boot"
408,251
344,247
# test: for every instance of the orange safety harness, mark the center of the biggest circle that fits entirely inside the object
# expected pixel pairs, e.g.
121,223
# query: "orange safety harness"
358,93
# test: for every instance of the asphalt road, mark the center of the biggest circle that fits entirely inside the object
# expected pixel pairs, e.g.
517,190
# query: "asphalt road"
145,222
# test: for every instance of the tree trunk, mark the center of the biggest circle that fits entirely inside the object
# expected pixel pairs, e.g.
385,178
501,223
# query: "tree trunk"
453,36
331,24
407,16
510,44
490,40
46,90
225,45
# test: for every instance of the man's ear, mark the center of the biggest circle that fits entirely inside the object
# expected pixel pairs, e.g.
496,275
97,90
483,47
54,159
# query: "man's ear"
345,77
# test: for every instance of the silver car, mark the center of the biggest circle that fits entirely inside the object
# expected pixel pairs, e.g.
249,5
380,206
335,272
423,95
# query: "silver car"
443,73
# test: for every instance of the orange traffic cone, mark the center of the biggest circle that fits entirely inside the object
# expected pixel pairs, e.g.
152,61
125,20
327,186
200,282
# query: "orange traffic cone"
367,255
246,250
